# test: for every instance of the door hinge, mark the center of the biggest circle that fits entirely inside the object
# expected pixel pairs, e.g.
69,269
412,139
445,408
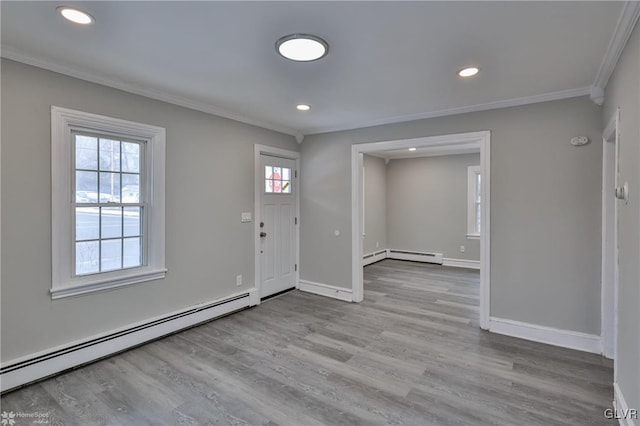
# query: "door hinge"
295,173
296,267
295,221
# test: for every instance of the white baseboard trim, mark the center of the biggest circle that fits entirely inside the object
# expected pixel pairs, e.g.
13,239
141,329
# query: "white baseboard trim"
626,416
374,257
415,256
27,369
461,263
327,290
552,336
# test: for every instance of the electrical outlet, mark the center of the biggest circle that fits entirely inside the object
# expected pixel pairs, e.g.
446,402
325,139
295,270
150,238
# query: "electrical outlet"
377,244
238,279
461,249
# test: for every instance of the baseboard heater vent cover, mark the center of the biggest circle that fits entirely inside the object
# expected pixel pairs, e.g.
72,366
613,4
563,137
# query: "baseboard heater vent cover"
415,256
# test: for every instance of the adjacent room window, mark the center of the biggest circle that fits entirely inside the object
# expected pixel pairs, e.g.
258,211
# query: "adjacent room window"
107,202
474,201
277,180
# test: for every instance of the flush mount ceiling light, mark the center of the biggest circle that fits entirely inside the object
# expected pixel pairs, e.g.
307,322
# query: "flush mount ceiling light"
302,47
412,149
468,72
76,16
303,107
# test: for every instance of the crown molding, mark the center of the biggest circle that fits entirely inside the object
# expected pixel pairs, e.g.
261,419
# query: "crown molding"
545,97
17,55
622,32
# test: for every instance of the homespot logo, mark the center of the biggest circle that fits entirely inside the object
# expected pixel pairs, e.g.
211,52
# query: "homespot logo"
8,418
626,414
11,418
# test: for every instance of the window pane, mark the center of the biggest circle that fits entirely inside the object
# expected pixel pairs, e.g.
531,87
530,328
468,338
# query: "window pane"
87,223
277,174
132,222
130,157
86,187
130,188
86,152
268,186
268,172
286,187
277,185
111,222
110,255
109,187
478,212
478,187
109,155
286,173
87,257
132,253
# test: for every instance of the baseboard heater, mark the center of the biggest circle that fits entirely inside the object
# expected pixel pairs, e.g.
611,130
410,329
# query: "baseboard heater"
415,256
374,257
45,364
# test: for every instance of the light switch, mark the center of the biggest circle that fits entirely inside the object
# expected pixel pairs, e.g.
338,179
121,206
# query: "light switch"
245,217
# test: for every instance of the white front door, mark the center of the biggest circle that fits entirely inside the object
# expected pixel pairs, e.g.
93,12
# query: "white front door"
277,225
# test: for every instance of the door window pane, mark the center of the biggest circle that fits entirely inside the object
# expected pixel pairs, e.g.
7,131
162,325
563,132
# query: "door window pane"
277,180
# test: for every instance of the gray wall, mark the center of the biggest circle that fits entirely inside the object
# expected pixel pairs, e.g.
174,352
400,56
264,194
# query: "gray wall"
427,205
623,91
375,204
209,183
545,207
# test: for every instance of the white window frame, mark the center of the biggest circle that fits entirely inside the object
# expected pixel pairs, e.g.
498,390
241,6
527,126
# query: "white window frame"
472,194
64,283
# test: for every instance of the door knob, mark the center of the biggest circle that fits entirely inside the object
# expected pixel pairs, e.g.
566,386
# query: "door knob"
263,234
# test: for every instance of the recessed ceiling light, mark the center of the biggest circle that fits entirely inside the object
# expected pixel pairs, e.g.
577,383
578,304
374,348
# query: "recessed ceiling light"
468,72
75,15
412,149
302,47
303,107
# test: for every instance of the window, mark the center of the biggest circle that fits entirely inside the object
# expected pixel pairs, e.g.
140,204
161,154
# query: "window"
474,202
107,202
277,180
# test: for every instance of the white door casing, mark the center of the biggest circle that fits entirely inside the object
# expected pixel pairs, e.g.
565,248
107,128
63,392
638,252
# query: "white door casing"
609,294
462,141
277,220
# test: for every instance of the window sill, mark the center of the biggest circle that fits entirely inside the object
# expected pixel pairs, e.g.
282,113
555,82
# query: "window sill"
473,236
108,283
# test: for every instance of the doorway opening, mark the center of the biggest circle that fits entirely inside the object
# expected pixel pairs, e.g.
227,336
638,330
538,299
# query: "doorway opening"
446,144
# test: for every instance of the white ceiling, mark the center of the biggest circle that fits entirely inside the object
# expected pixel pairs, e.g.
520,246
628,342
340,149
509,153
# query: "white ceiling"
388,61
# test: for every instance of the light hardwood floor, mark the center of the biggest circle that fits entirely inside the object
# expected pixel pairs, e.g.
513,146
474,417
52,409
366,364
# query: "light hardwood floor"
410,354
